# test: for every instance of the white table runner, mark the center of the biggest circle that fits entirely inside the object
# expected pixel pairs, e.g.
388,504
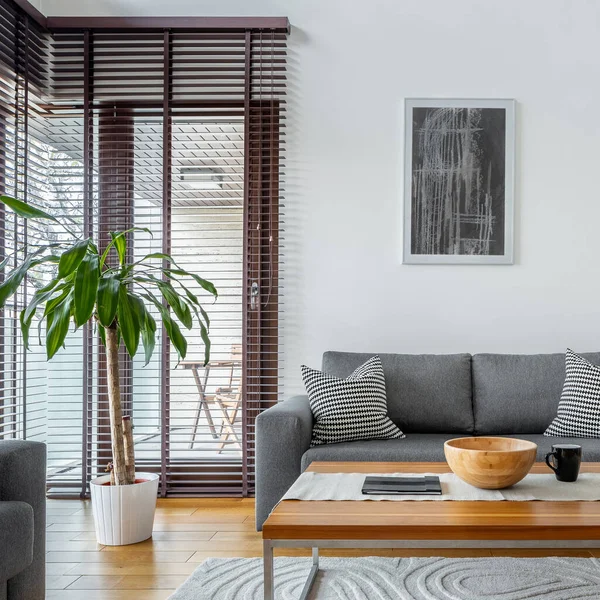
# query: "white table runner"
347,486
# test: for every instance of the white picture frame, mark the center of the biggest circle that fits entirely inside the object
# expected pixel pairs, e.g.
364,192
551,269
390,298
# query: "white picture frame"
459,185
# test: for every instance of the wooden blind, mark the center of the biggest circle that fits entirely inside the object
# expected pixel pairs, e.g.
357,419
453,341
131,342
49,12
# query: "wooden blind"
134,118
24,157
265,145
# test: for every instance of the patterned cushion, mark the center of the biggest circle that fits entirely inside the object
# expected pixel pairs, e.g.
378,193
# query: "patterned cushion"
579,406
349,409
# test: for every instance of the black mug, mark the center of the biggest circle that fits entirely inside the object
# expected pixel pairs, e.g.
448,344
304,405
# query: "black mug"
566,463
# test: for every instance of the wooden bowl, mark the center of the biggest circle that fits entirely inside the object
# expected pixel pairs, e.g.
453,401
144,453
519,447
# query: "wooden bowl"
490,463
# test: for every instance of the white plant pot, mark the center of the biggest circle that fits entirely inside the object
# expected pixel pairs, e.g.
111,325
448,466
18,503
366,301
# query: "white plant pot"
124,514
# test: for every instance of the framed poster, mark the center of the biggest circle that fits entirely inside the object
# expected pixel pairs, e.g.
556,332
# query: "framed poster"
459,181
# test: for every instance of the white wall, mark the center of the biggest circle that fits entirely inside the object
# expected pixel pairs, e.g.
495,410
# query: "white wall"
351,65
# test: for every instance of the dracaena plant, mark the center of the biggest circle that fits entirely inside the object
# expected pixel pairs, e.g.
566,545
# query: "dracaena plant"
102,286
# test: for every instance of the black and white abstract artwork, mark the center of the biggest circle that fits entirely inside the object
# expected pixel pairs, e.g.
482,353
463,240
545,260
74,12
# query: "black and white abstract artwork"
459,181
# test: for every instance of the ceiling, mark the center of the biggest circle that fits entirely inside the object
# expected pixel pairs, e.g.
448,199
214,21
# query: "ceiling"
171,8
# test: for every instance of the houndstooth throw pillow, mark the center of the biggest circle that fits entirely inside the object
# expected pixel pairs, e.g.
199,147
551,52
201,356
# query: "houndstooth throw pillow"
351,409
579,406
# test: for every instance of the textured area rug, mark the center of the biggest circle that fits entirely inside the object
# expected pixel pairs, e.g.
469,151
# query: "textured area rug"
400,579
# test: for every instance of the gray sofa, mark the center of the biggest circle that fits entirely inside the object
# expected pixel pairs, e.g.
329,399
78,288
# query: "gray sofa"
432,398
22,520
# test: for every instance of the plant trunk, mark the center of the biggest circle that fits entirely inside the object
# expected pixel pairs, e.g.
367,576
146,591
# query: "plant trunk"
129,450
121,472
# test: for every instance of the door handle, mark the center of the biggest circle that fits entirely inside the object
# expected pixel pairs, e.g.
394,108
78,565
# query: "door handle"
254,293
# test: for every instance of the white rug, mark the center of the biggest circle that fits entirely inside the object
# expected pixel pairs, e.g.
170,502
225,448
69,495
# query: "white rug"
400,579
348,486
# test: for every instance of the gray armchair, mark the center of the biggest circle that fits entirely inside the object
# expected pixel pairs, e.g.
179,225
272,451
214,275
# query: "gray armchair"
22,520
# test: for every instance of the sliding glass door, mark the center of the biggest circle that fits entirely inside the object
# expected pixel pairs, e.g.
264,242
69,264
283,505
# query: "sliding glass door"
198,429
177,135
187,415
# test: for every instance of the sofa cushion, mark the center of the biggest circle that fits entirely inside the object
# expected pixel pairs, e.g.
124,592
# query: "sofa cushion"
518,392
579,406
430,447
426,393
16,538
590,446
414,448
350,409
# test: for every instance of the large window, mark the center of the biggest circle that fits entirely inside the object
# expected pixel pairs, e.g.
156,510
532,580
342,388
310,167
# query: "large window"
179,131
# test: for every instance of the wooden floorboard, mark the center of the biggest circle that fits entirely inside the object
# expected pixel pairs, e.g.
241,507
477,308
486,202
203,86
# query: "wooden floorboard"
187,531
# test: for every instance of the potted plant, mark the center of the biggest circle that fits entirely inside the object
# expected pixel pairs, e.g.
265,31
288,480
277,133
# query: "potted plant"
100,285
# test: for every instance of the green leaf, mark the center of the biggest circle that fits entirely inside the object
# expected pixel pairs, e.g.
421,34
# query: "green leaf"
70,260
184,315
120,243
206,340
58,326
129,323
138,307
154,300
191,296
54,302
180,308
86,288
52,246
108,298
160,255
154,255
25,326
175,272
195,304
27,211
45,259
102,333
205,315
43,295
148,335
52,285
171,327
147,278
196,313
13,281
173,298
205,284
174,334
40,324
39,297
117,235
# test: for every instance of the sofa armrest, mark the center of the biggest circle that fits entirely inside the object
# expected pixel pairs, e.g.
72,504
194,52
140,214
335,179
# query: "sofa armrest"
16,538
23,478
283,434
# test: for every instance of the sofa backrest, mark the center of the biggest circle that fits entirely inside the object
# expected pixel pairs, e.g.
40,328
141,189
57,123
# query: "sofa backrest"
426,393
518,393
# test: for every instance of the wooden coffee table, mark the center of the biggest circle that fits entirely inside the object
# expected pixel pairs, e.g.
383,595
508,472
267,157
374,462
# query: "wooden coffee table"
423,524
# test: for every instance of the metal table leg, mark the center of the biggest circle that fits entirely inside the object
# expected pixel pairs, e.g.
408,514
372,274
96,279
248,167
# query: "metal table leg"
269,584
268,570
311,576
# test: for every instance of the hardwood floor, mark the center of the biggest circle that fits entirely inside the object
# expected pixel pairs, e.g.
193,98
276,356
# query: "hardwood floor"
186,532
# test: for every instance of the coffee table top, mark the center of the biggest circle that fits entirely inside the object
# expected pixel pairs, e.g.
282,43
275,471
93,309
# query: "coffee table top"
422,520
